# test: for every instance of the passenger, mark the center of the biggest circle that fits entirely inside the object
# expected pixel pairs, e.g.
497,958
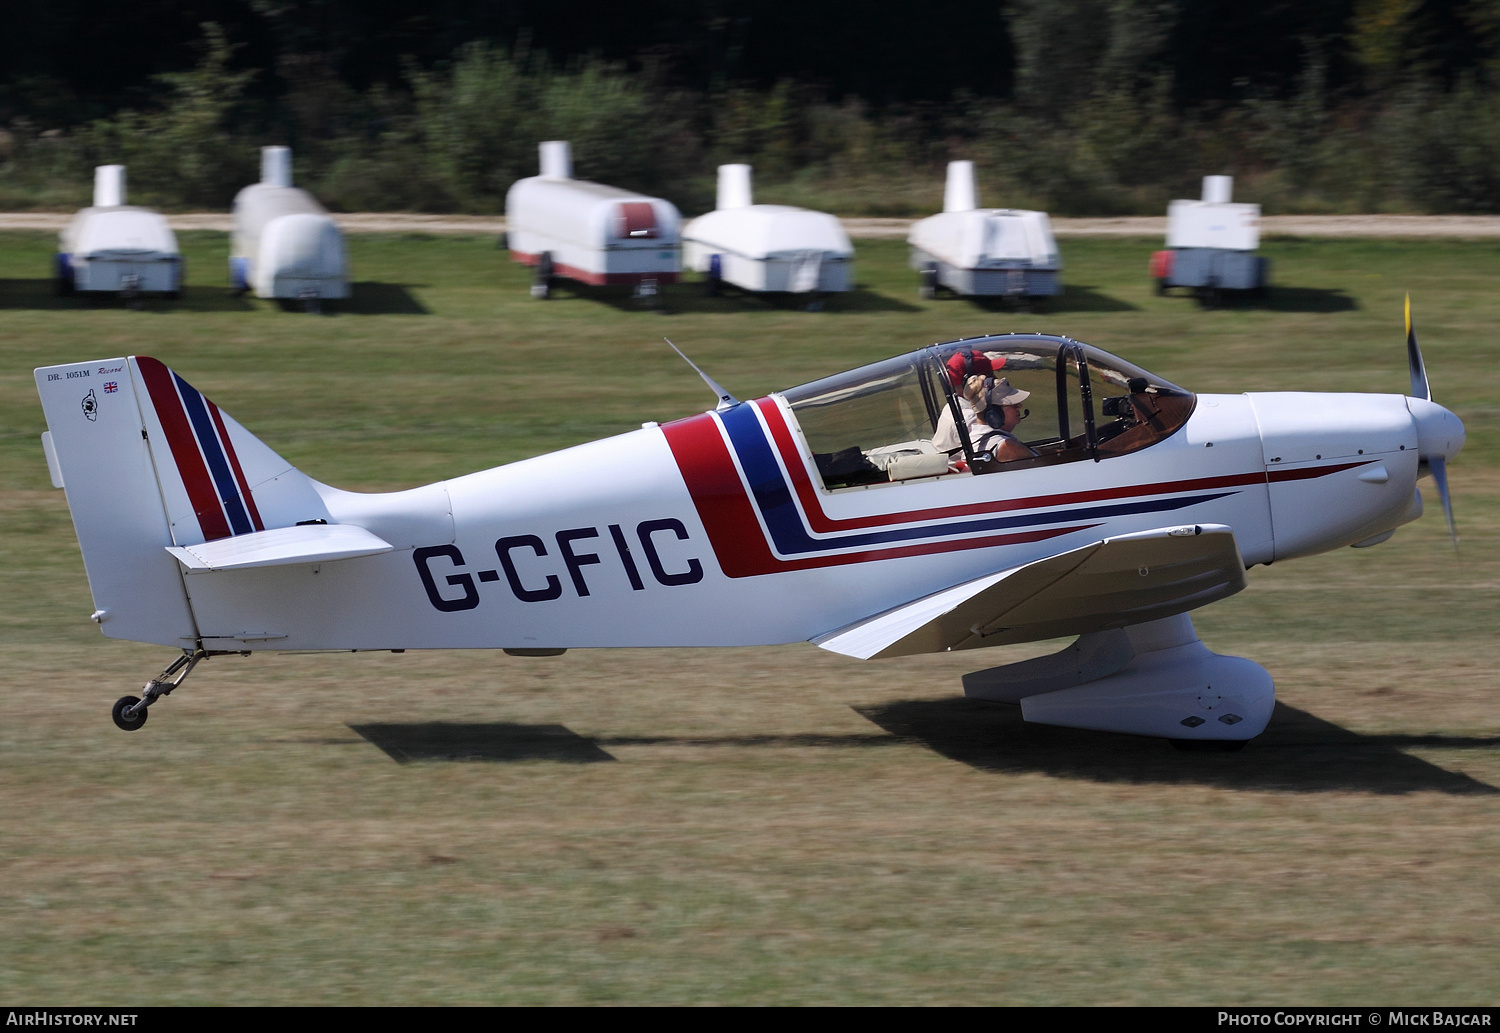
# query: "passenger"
964,364
991,410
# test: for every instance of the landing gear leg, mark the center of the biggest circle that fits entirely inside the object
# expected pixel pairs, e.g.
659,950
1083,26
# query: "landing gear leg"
129,712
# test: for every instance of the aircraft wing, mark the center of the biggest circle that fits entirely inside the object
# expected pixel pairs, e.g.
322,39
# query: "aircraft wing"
1110,583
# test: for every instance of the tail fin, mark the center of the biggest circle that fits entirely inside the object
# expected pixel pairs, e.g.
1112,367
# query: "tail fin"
148,462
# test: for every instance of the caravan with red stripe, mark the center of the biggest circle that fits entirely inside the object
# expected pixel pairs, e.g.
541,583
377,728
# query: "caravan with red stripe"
986,491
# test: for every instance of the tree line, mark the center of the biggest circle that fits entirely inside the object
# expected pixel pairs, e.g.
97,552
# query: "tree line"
1074,106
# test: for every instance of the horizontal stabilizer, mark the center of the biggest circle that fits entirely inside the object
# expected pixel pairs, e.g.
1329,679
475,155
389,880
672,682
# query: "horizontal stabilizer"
1110,583
306,543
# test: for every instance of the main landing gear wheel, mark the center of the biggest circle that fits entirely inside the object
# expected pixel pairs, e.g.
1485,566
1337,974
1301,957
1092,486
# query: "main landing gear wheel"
135,720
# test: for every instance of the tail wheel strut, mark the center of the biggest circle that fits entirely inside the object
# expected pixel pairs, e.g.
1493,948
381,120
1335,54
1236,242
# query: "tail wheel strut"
129,712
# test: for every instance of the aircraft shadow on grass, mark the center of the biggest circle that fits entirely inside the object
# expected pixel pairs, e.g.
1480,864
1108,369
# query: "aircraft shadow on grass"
437,740
517,742
1297,753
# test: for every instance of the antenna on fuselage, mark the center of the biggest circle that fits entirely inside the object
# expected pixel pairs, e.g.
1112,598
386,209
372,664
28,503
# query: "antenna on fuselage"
726,400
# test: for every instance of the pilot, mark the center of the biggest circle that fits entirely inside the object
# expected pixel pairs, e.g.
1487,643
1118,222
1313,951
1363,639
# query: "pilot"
1002,416
991,411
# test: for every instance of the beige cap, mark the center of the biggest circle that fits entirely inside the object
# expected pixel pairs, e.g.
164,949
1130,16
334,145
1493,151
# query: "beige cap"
1003,394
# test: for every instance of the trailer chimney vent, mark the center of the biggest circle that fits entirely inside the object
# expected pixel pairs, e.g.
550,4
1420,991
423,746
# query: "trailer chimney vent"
734,187
276,166
961,194
557,159
109,186
1218,189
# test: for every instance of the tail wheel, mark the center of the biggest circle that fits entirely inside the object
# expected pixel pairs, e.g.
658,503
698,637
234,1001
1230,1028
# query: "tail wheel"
132,722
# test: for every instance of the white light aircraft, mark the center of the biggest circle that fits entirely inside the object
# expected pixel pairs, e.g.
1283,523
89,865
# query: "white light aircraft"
903,507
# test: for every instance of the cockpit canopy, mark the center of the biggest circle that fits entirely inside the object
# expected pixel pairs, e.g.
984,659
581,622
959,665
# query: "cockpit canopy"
941,411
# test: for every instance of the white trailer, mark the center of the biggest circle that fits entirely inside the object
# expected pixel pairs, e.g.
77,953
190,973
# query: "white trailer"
767,247
114,248
284,244
984,251
1211,245
594,234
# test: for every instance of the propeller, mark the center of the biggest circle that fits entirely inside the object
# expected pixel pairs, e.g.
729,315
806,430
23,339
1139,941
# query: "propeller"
1436,460
1419,386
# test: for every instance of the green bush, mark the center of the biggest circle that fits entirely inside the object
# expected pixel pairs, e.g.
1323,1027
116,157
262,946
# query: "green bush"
1110,142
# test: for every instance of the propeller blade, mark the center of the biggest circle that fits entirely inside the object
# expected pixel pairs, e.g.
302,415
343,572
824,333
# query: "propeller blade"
1419,385
1439,467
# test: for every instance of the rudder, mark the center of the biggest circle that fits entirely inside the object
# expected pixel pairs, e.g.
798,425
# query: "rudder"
103,454
148,462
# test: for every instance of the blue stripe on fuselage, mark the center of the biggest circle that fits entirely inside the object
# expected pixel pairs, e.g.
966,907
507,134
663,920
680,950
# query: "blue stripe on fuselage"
789,534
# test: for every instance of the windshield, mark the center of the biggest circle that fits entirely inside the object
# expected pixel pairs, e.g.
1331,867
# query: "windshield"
979,406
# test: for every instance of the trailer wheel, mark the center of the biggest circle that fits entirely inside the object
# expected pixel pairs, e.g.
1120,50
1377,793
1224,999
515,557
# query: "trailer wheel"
927,290
1208,297
1161,286
541,284
62,278
715,275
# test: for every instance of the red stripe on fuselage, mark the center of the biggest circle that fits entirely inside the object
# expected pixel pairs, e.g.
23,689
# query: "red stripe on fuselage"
821,523
740,545
1313,471
190,466
234,464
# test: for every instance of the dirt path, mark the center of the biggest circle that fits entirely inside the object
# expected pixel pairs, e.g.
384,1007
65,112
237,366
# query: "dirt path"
1284,225
1468,226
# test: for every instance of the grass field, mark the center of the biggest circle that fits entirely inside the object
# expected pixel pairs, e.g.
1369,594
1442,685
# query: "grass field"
757,825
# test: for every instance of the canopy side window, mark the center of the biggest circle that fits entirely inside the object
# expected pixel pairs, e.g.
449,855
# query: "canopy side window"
873,425
1037,401
1081,403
